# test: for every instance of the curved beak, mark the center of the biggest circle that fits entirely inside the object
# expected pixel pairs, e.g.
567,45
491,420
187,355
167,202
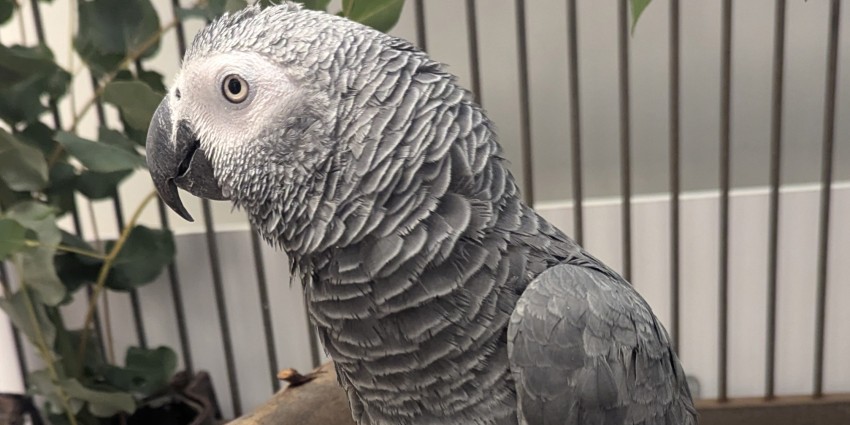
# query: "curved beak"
175,159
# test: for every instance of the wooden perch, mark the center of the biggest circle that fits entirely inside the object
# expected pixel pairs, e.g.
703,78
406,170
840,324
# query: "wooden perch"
312,399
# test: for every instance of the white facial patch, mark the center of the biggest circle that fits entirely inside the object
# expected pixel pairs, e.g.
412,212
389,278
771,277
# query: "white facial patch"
221,124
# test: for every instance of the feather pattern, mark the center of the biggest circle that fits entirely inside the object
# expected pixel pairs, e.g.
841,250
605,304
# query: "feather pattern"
441,296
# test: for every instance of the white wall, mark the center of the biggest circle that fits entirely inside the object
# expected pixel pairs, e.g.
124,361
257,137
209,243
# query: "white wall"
752,33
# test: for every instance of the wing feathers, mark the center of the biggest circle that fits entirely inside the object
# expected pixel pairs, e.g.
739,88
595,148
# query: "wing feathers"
584,348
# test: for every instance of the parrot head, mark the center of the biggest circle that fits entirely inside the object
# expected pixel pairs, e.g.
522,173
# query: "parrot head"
250,114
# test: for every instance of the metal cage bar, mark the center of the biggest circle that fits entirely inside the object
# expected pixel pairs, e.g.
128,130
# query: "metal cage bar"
135,304
16,335
725,119
625,135
421,38
177,294
775,175
221,307
575,122
826,191
57,125
524,107
474,60
215,264
675,172
262,289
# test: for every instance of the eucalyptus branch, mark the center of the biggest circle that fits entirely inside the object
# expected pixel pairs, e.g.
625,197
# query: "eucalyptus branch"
44,350
130,58
66,248
104,271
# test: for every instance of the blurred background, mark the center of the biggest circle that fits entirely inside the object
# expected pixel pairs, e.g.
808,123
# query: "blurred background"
229,284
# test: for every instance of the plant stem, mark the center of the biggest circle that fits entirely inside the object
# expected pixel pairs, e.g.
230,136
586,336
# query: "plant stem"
107,318
104,270
347,11
66,248
130,58
21,22
44,350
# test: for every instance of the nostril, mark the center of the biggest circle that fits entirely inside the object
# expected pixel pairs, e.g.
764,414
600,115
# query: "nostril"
184,164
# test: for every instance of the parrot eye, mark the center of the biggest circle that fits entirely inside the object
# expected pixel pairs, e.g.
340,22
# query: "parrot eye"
235,88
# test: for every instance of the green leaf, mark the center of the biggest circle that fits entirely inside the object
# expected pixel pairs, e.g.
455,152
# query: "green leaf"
22,167
379,14
11,197
19,63
102,404
37,75
212,10
136,100
38,270
60,193
99,157
321,5
146,371
154,80
145,253
14,237
73,269
638,6
39,135
15,306
38,217
100,185
91,364
7,8
41,384
184,13
115,138
111,29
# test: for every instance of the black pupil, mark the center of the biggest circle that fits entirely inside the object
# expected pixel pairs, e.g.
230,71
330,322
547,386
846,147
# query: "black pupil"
234,86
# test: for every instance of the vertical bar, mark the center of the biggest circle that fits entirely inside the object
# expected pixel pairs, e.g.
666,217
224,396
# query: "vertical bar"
725,117
826,191
98,106
474,62
312,336
57,125
775,173
675,172
16,336
174,282
39,32
135,304
421,39
265,308
575,122
524,110
177,294
221,306
215,263
625,135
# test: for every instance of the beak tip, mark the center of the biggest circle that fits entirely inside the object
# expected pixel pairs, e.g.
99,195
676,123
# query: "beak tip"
186,216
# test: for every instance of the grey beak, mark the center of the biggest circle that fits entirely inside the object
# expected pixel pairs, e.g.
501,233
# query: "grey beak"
177,160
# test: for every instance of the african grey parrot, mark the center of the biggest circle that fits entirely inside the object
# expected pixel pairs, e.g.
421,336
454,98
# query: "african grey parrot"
441,297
